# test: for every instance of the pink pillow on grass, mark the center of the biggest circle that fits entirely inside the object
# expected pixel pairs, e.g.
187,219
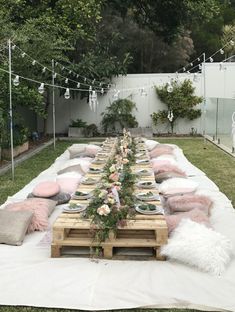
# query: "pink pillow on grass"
41,208
195,215
46,189
189,202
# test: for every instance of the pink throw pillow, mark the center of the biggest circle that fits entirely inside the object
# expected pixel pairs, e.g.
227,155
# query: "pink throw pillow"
92,150
68,185
161,149
188,202
169,168
41,208
156,164
46,189
195,215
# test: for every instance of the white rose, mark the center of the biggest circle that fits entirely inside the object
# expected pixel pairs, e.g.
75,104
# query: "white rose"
112,168
103,210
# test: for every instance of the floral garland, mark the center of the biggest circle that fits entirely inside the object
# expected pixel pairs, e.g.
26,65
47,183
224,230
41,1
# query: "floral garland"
113,200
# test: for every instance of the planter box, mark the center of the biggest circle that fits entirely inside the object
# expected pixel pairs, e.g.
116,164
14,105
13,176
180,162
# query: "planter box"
141,131
6,152
76,132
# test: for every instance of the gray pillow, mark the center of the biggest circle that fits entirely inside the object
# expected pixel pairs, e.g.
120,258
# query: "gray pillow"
60,198
160,177
13,226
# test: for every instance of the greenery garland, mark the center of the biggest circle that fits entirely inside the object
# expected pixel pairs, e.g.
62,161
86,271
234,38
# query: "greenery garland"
113,200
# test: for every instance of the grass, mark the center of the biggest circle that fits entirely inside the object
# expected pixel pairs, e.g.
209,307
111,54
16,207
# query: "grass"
219,167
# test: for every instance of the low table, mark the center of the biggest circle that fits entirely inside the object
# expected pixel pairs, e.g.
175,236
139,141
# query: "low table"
140,232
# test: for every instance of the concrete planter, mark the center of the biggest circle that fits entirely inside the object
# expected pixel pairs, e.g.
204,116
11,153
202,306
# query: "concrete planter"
6,152
76,132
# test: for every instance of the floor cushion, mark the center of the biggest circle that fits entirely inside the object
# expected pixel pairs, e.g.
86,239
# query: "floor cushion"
76,150
46,189
60,198
151,144
160,177
161,149
41,208
201,247
177,186
72,165
69,182
13,226
169,167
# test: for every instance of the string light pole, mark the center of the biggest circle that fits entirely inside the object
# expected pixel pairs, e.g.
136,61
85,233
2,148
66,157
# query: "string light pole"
10,111
204,96
53,99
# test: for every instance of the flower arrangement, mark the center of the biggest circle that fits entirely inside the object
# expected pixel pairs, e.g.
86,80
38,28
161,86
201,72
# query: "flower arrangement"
113,200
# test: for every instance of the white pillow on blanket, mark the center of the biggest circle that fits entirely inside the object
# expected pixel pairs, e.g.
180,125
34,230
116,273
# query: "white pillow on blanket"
150,144
177,186
196,245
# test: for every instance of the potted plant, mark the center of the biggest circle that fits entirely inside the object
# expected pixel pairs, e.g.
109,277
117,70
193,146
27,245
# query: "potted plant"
76,128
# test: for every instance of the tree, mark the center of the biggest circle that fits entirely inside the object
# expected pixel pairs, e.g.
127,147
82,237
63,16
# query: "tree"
180,102
119,113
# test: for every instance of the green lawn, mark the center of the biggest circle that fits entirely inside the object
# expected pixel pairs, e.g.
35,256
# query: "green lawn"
218,166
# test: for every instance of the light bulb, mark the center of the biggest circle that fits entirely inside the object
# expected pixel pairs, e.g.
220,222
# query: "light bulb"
221,51
93,81
33,62
41,88
23,54
84,79
200,66
211,59
78,85
77,76
16,81
66,80
67,94
184,69
56,63
191,64
100,84
90,88
169,88
62,68
198,59
231,42
102,91
70,72
13,47
188,72
44,69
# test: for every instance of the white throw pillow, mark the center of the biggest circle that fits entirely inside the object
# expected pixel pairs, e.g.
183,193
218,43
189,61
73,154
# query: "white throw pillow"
151,144
76,150
177,186
196,245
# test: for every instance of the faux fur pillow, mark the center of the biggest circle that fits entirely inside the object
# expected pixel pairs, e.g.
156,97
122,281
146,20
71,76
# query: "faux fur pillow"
46,189
170,168
196,245
151,144
160,177
73,165
161,149
195,215
68,183
41,209
92,150
188,202
156,164
177,186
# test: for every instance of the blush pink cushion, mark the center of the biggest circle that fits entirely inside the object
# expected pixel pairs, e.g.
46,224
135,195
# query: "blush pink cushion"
161,149
67,184
156,164
195,215
169,168
92,150
41,208
46,189
189,202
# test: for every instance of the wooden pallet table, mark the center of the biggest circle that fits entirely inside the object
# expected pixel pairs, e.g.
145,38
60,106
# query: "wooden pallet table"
143,231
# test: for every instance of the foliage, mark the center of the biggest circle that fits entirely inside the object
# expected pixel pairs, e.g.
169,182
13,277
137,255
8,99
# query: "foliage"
119,112
180,102
78,123
20,136
104,210
91,130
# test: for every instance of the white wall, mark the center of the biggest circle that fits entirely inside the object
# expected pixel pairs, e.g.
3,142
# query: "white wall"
146,105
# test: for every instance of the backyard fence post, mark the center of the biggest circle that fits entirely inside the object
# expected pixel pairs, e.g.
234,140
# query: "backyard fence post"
10,111
53,99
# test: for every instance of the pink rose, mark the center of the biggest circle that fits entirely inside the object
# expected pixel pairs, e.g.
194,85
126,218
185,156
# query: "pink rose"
114,176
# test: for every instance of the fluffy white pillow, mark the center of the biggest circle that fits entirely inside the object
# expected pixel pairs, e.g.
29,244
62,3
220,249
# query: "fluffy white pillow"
177,186
150,144
76,150
196,245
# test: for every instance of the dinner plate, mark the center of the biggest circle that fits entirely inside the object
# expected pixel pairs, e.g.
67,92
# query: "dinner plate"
81,195
144,172
146,184
74,208
99,161
142,161
95,170
147,196
157,210
89,181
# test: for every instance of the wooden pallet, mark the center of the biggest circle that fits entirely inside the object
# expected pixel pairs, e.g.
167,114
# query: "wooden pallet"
141,232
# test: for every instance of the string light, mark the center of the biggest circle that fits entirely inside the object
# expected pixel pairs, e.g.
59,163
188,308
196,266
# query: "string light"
23,54
41,88
211,59
66,80
90,88
221,51
231,42
78,85
198,59
44,69
102,91
16,80
33,62
191,64
67,94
